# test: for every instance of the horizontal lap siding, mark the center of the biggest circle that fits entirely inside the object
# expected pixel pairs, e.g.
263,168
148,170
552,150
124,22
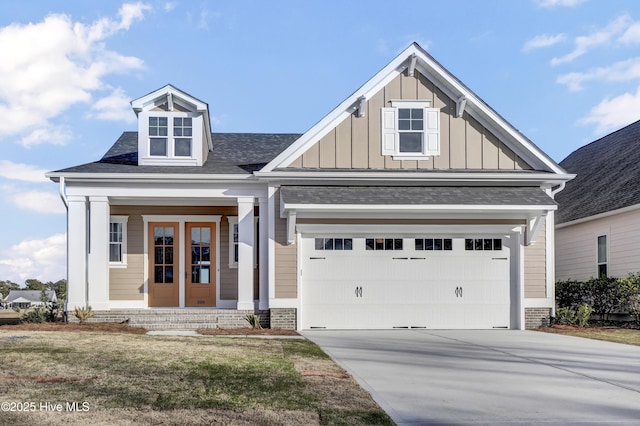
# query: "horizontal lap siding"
128,283
285,258
535,267
576,247
356,142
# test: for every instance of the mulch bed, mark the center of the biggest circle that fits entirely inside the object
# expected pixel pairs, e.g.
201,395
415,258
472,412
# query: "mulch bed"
561,329
246,332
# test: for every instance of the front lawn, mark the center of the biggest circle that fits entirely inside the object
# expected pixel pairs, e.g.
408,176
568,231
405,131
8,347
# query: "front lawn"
610,334
141,379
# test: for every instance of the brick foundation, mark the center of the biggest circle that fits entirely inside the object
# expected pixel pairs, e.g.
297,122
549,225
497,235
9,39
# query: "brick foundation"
283,318
536,317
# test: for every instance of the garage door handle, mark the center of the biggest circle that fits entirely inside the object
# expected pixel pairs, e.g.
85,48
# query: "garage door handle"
317,258
418,258
498,258
400,258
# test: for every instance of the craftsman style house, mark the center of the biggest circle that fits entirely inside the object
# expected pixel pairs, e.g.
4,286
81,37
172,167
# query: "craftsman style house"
598,222
411,204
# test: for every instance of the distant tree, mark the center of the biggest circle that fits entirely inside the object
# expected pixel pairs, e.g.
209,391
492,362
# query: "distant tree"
34,284
60,287
7,286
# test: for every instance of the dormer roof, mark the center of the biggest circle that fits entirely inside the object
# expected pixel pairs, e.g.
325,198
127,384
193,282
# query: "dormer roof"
172,98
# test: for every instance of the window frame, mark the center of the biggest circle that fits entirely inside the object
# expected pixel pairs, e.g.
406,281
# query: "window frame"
233,223
429,135
171,138
602,263
123,220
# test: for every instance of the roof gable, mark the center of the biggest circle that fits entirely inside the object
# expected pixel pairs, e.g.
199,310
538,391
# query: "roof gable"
412,61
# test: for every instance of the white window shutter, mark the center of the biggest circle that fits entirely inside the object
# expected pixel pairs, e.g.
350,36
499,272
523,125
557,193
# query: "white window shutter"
389,130
432,131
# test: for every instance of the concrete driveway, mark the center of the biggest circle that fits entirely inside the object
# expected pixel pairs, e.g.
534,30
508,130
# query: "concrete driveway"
490,377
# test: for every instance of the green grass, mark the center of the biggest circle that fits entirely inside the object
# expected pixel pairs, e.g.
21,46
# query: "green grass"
115,372
626,336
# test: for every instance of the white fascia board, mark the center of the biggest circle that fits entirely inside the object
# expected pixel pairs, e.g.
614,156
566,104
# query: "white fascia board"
599,216
412,207
187,100
145,177
177,192
342,111
428,176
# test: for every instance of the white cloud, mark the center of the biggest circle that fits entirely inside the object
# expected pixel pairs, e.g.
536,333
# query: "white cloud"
583,44
114,107
44,259
52,134
39,201
548,4
613,113
22,172
57,63
620,71
631,35
169,6
543,40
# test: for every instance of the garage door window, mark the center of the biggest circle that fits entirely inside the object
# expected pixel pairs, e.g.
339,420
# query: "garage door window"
383,243
437,244
334,244
483,244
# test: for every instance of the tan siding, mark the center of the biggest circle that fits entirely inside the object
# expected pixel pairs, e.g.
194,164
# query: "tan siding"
285,259
535,267
360,138
474,143
376,160
128,283
392,91
343,144
328,150
464,142
297,163
490,146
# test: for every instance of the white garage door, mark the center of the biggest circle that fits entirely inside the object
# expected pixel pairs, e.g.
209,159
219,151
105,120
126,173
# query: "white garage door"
385,282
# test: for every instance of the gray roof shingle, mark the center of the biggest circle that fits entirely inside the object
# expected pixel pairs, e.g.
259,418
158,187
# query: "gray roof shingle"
431,195
31,295
608,176
233,153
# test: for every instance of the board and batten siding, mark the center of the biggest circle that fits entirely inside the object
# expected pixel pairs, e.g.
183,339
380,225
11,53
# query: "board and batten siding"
128,283
576,247
356,142
286,285
535,267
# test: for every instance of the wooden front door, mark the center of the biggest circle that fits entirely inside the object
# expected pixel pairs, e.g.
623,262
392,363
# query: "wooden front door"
164,268
200,284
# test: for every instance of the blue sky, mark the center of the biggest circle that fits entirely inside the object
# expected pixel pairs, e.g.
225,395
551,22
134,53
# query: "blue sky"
564,72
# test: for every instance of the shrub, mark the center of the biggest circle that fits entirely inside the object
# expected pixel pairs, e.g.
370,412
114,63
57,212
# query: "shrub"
583,314
253,320
83,313
570,294
606,295
35,315
565,316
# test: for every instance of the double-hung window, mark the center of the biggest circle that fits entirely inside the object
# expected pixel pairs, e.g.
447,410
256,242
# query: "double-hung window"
182,131
170,136
410,130
118,241
158,132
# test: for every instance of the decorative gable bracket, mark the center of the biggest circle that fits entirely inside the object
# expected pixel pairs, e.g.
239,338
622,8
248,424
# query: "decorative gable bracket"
533,227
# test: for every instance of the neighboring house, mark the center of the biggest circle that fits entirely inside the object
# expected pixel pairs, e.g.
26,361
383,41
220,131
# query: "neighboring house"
598,222
29,298
411,204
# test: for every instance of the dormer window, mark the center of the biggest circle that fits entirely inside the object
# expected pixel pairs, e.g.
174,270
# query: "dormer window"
183,132
173,129
158,131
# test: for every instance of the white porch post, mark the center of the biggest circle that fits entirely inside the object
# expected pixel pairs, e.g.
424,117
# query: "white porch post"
245,252
76,252
263,253
98,279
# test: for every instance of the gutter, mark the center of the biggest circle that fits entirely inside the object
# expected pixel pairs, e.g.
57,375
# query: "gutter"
63,193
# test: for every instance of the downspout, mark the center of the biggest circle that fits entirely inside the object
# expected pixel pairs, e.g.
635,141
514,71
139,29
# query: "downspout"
553,193
63,196
558,189
63,193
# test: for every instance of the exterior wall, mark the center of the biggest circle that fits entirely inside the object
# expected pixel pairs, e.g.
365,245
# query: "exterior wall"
576,247
128,283
535,267
285,258
284,318
356,142
536,317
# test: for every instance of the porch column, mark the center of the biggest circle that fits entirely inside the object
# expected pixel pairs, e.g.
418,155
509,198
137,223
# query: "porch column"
98,279
76,252
245,252
263,252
